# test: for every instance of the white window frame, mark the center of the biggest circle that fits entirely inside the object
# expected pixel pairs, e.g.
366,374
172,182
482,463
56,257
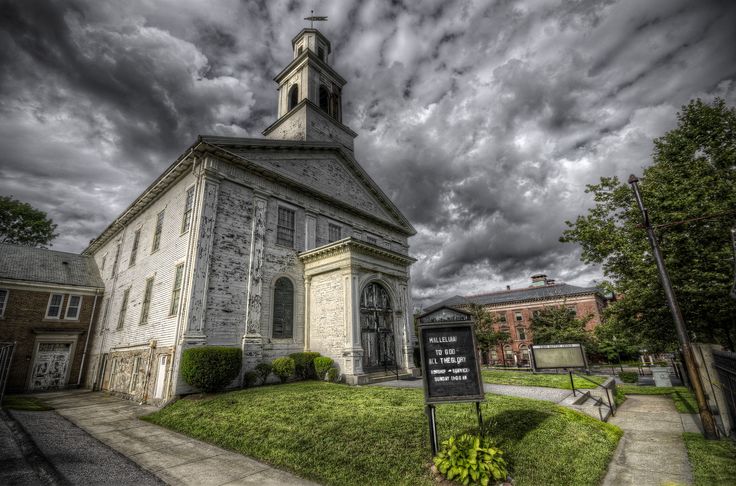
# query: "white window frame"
134,248
176,290
4,302
123,309
158,230
292,244
186,222
69,306
146,302
330,227
48,306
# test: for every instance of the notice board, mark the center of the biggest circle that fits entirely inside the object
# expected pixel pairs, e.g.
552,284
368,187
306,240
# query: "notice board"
553,356
450,367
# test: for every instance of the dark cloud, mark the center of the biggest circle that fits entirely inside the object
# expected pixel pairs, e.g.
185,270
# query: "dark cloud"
483,122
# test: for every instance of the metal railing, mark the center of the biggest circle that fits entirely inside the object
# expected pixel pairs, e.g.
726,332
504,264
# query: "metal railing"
598,401
6,358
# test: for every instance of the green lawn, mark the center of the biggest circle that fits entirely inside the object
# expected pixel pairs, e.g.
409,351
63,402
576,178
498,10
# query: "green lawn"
343,435
684,399
713,461
17,402
526,378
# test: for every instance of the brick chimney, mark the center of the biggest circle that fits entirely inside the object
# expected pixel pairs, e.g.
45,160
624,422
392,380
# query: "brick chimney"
539,280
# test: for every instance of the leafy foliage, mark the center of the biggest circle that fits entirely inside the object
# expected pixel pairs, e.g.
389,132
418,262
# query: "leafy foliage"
322,365
486,334
210,368
304,364
629,376
283,368
250,378
333,375
690,193
21,224
558,325
471,459
263,369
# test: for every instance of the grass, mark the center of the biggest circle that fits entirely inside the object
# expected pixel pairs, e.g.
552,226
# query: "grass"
525,378
342,435
19,402
713,461
684,399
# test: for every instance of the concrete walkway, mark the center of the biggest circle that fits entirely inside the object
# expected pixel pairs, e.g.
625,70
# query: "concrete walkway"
652,451
174,458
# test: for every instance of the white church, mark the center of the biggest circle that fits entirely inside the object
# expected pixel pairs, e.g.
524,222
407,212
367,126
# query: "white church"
276,245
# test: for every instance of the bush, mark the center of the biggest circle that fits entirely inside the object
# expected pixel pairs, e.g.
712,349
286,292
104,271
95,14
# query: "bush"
283,368
333,375
210,368
250,378
263,370
629,376
304,363
322,365
470,459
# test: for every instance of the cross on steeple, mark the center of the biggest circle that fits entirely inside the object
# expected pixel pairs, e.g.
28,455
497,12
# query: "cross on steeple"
312,18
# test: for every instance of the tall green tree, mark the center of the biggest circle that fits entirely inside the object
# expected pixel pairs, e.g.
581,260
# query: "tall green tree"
485,332
22,224
690,193
560,325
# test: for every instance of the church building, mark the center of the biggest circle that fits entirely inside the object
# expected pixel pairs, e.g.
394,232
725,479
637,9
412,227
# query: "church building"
276,245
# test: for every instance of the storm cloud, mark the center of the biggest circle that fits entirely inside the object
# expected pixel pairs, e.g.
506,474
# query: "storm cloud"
483,121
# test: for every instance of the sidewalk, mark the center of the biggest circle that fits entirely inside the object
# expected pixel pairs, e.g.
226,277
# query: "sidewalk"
174,458
652,451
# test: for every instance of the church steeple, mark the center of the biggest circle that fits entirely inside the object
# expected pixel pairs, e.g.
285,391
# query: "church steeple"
310,95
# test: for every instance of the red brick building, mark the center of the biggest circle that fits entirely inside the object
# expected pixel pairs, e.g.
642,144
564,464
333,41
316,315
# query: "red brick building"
514,308
48,300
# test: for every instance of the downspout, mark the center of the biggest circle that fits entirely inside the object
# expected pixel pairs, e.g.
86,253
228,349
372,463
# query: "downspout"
86,341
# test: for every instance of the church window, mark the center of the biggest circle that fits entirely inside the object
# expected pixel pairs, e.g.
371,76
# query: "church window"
134,249
176,293
186,220
335,232
54,309
146,306
285,228
324,98
123,308
293,97
157,232
320,53
283,309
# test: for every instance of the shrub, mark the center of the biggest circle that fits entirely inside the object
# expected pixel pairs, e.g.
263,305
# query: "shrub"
210,368
322,365
263,369
333,375
250,378
629,376
470,459
283,368
304,363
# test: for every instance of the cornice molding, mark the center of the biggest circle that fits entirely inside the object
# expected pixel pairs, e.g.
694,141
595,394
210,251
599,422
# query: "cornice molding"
350,245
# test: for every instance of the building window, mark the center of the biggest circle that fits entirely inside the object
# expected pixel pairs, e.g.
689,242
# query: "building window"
134,250
521,333
123,308
502,317
508,353
3,301
299,50
293,97
283,309
73,306
157,232
54,309
324,98
572,310
518,316
335,232
146,306
285,228
186,221
177,290
115,262
320,53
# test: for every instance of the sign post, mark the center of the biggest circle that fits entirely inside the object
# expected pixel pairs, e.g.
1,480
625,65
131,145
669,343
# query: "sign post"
450,368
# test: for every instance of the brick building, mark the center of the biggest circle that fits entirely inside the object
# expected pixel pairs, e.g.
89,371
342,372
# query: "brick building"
514,309
274,245
47,303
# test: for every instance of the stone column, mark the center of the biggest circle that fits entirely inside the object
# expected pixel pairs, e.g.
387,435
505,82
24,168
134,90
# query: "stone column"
307,317
406,320
208,194
353,351
252,344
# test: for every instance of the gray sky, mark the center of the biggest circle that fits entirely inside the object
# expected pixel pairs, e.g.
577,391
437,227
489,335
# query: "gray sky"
483,121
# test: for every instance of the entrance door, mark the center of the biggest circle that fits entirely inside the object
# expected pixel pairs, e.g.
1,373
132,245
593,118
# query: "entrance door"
50,366
376,328
163,360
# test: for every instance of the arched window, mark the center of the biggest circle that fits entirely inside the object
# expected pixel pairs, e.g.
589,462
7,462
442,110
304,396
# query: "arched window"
508,353
293,97
283,309
324,98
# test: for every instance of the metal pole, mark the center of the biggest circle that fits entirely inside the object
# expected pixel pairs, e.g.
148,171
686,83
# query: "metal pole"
432,429
572,383
709,425
480,415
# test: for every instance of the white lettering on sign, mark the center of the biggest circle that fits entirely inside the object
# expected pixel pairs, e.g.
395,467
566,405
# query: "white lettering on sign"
443,339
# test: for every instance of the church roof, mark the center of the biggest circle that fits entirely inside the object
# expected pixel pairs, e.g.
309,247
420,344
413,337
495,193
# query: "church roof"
547,292
39,265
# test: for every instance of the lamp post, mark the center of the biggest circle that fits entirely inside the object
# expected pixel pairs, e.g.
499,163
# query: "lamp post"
709,425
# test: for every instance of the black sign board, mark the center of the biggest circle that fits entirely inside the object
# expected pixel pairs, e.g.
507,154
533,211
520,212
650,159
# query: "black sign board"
450,369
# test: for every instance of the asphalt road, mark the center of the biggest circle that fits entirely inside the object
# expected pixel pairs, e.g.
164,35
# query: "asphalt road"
77,458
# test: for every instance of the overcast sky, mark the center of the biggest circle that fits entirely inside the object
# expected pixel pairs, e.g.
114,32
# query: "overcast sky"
483,121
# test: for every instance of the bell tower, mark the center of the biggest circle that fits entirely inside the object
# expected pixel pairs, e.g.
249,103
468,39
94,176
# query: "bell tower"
310,95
